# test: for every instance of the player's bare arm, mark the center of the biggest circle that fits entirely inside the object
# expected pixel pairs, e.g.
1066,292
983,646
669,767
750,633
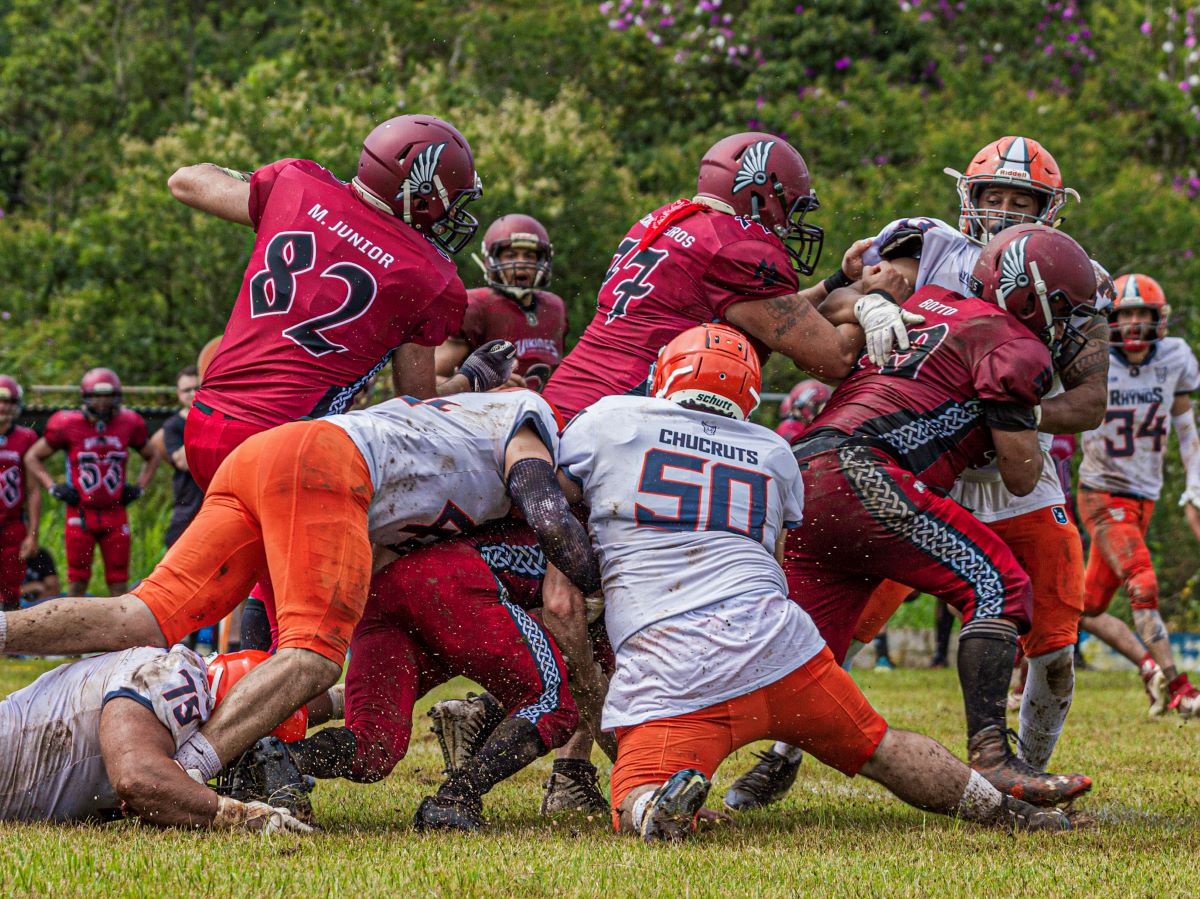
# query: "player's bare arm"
792,326
153,459
1019,458
448,357
210,188
413,371
1083,402
35,463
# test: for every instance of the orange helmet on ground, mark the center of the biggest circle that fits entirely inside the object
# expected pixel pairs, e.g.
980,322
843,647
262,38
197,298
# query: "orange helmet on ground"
228,668
1138,292
710,367
1011,161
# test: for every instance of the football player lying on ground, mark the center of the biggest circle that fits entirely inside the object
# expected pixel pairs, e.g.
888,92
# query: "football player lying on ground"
456,608
94,740
304,502
687,501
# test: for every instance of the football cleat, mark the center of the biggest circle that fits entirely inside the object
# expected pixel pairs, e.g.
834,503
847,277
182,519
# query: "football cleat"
768,781
573,786
670,815
266,773
1021,815
445,813
463,725
989,753
1186,700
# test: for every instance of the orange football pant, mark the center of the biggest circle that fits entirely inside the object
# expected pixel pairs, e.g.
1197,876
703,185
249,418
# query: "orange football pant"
880,607
1119,557
817,707
290,503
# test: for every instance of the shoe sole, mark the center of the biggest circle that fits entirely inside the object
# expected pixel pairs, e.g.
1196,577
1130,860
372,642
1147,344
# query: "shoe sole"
672,815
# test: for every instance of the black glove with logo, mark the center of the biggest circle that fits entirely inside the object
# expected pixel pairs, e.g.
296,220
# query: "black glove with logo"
65,493
489,366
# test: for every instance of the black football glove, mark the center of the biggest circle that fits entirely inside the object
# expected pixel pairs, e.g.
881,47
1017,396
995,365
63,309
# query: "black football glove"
65,493
490,366
130,493
905,243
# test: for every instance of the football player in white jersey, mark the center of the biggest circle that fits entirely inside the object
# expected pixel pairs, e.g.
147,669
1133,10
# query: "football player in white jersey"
1011,181
688,503
94,739
307,502
1149,382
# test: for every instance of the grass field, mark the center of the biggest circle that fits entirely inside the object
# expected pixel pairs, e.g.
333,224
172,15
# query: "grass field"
830,837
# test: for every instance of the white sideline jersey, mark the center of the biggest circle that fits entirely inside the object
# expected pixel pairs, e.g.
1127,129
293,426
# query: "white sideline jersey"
50,763
1125,454
685,509
438,465
947,259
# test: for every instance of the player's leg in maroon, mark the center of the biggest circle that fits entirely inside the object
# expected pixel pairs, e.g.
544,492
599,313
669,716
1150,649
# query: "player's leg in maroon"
80,545
12,566
114,542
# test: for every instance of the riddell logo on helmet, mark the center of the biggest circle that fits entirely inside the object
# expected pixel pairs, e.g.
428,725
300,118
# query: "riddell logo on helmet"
1013,173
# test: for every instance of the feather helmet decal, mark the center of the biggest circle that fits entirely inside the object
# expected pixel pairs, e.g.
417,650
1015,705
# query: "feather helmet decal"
421,175
753,169
1012,271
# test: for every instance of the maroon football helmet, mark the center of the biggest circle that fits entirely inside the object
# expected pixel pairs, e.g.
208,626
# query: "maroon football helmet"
420,169
805,401
763,178
522,232
1041,277
11,400
101,389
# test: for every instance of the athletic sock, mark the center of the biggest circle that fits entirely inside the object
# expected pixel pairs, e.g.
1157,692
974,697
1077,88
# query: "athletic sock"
638,812
986,650
791,753
327,753
980,800
1048,693
513,745
1180,683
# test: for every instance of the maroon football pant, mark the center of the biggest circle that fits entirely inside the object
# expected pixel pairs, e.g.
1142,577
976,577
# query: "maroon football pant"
88,528
867,519
437,614
12,566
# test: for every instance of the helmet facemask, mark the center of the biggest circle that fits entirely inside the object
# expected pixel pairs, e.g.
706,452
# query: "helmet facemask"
1135,336
803,241
457,227
504,275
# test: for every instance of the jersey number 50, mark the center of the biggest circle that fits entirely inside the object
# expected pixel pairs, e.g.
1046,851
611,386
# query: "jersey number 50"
719,493
272,290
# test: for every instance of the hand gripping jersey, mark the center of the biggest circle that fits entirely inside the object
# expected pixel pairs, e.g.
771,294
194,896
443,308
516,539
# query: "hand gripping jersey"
333,287
97,452
1125,454
13,447
437,466
50,763
690,273
925,406
685,506
538,332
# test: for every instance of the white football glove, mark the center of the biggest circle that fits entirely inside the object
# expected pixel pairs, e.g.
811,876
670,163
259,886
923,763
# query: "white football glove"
256,817
1191,495
885,325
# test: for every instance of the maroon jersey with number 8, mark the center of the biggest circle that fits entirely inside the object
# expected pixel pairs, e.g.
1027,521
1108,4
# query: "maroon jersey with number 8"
690,273
97,452
926,404
332,289
13,447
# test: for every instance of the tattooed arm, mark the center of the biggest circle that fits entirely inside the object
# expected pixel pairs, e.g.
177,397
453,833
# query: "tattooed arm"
1081,406
792,326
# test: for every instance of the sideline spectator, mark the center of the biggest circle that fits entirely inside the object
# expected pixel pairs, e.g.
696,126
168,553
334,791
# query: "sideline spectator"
41,577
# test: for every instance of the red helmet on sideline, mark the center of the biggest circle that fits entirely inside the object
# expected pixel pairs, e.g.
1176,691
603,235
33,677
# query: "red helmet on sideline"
1039,276
805,401
97,385
228,668
710,367
421,169
764,178
11,392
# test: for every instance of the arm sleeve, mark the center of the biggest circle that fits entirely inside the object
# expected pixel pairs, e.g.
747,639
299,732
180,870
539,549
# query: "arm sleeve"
1189,449
261,183
173,685
534,490
442,318
748,270
1016,370
535,412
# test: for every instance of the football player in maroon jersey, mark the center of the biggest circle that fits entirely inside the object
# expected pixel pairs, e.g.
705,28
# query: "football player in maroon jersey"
880,457
20,509
96,438
515,305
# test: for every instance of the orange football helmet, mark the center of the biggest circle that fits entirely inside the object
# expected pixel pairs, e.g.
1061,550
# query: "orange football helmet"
1009,162
1138,292
228,668
710,367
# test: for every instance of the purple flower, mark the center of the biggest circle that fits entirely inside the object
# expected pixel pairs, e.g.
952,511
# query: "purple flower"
666,22
843,63
605,8
6,315
988,59
1184,86
925,16
760,101
1049,51
882,160
1073,36
799,10
1145,29
1187,254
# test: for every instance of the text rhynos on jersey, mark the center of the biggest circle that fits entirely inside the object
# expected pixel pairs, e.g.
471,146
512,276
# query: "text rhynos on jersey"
1125,454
